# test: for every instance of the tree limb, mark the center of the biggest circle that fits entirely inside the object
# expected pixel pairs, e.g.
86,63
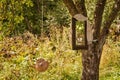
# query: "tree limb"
80,5
98,17
109,20
71,7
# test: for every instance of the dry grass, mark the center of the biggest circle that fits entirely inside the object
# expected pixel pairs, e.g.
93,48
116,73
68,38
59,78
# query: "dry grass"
19,53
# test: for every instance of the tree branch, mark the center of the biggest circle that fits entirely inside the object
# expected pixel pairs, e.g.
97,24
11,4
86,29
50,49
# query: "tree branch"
109,20
98,17
80,5
71,7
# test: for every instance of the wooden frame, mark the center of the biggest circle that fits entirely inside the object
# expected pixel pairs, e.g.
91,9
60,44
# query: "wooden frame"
74,45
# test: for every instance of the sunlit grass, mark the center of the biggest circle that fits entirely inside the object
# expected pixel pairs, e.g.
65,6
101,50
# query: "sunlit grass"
110,68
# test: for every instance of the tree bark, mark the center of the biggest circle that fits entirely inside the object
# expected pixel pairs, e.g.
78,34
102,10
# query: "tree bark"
91,62
71,7
80,6
98,17
91,57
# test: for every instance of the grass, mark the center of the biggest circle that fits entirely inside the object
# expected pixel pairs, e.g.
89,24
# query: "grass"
19,53
110,68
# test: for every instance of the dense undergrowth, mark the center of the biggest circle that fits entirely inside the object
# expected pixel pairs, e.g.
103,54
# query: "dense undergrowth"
19,53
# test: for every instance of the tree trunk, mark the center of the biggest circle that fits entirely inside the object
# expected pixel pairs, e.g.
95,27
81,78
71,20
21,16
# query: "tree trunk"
91,61
91,57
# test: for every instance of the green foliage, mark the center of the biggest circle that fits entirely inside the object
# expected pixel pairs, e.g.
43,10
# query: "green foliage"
12,16
33,15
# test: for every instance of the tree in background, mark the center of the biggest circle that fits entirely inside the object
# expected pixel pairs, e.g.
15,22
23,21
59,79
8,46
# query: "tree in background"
17,16
103,15
13,15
